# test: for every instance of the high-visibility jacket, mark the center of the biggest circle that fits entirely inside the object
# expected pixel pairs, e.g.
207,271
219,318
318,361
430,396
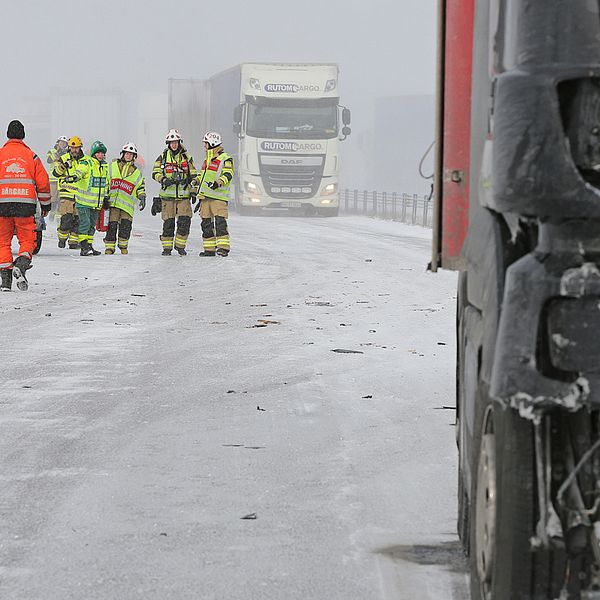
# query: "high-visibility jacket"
92,182
218,166
177,166
126,184
52,157
23,181
61,170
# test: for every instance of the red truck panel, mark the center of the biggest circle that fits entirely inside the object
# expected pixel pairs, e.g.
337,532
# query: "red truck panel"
454,132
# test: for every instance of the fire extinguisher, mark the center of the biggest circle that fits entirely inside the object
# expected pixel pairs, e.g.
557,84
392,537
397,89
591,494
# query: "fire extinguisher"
102,223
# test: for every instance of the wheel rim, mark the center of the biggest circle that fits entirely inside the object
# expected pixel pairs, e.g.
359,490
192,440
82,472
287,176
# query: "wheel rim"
485,515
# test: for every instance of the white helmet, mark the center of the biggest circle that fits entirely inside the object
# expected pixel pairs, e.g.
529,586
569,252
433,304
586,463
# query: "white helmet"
63,138
212,138
173,136
130,147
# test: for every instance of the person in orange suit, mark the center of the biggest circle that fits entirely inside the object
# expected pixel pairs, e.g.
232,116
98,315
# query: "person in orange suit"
23,183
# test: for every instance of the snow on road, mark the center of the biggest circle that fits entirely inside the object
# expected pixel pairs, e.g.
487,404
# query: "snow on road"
183,428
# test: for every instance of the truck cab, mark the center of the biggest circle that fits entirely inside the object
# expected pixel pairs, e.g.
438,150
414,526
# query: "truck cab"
289,125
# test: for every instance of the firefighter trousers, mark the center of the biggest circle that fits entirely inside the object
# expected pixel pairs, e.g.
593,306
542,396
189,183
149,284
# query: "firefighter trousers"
175,212
24,228
119,227
215,234
68,226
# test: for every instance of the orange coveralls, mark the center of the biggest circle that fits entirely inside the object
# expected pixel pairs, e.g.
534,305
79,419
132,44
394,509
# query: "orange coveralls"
23,181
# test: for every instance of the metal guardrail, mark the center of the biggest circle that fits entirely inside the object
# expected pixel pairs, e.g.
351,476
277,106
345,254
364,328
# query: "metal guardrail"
407,208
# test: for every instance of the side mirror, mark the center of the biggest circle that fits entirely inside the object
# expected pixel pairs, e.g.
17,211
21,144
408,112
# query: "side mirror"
346,117
237,118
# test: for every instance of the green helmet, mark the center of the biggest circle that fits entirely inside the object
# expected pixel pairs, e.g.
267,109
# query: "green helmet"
97,146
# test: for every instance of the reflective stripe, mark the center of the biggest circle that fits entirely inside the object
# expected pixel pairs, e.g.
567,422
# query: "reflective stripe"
18,199
16,181
5,265
43,195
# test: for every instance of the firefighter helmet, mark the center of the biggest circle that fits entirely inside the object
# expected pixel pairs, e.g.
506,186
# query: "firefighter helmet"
63,138
212,138
75,142
173,136
97,146
129,147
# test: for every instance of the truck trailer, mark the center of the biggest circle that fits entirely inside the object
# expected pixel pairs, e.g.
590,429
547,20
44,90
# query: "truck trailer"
281,122
517,192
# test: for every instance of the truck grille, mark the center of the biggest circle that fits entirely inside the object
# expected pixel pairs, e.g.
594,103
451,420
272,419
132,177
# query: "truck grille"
291,177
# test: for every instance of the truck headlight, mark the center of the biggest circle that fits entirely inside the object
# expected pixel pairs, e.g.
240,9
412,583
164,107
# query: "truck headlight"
329,189
251,188
255,200
254,84
330,85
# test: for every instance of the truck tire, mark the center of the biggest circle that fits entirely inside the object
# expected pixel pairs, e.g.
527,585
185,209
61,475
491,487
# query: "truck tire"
244,211
39,236
329,211
503,565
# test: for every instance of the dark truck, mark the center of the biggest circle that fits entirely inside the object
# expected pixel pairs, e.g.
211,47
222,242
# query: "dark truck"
517,192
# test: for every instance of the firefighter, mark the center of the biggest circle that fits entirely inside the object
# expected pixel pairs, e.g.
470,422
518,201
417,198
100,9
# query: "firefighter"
68,227
24,182
52,157
174,170
126,185
92,184
213,183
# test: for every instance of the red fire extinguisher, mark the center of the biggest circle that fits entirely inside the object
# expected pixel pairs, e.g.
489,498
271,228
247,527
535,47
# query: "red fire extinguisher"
102,223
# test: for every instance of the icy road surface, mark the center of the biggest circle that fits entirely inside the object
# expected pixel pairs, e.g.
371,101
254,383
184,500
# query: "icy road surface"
182,428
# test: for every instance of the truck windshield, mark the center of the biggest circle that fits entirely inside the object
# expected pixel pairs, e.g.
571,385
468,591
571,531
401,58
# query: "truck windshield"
297,119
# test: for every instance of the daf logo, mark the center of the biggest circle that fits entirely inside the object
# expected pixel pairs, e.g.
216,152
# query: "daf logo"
291,161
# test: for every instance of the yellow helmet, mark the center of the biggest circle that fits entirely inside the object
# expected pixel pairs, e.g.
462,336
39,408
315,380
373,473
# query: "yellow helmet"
75,142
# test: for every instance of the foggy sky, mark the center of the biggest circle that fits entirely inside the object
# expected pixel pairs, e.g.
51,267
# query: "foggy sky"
383,47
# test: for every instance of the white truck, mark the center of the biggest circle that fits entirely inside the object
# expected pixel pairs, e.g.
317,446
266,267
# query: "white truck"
284,135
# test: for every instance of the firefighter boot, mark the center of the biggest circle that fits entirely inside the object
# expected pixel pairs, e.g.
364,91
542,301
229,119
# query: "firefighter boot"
207,253
87,250
7,278
181,251
222,251
21,264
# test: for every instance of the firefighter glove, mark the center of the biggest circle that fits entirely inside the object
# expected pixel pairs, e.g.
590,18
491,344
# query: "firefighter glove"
45,211
166,182
156,206
70,178
142,200
213,185
68,164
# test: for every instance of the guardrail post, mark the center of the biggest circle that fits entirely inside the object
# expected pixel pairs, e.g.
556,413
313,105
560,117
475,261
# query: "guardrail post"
355,201
425,210
384,202
374,203
404,200
414,211
394,201
365,201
